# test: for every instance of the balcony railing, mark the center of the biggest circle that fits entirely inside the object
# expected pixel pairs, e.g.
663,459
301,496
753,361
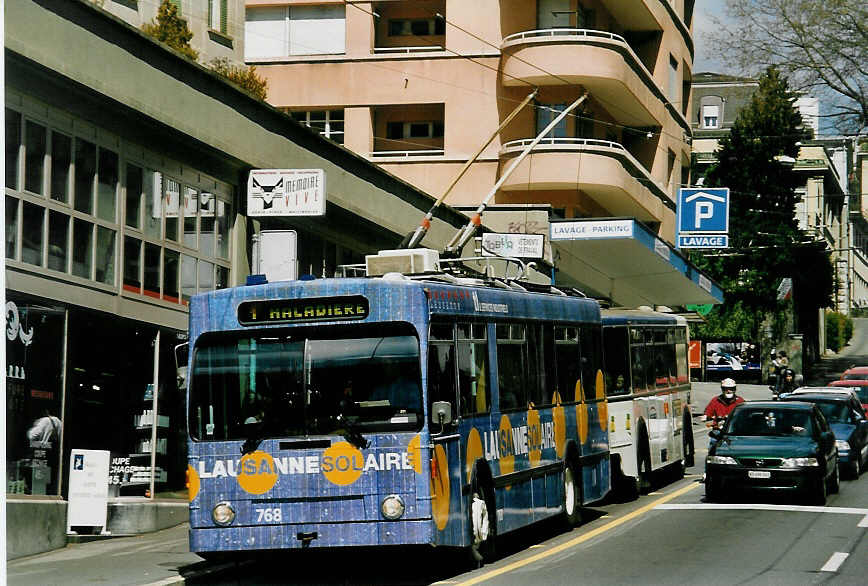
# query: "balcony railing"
399,50
408,154
566,143
563,32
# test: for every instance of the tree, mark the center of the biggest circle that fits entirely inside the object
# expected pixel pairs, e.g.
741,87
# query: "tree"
820,44
766,244
171,29
245,77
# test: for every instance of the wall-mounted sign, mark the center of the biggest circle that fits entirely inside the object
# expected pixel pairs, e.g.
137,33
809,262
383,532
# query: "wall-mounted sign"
286,192
515,245
591,229
703,218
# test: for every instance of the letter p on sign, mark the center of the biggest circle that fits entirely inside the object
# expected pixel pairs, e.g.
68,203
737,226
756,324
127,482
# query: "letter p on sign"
704,211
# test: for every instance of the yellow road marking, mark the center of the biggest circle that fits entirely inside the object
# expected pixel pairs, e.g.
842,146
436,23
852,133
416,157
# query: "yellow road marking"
580,539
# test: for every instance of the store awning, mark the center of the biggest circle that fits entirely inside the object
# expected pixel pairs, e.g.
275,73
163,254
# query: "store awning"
622,260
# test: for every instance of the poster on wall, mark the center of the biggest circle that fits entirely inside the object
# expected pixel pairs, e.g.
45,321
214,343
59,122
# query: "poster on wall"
732,356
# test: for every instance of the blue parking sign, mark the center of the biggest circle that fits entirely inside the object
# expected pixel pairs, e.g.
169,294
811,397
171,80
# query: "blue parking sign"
702,211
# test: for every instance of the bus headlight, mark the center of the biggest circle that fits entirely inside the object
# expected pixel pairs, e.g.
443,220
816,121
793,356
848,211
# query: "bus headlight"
392,507
223,513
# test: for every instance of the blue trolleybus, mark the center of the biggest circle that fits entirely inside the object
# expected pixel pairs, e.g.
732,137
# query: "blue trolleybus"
391,410
648,389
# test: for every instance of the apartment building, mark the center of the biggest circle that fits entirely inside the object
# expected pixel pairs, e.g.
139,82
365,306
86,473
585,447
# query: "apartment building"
419,86
217,25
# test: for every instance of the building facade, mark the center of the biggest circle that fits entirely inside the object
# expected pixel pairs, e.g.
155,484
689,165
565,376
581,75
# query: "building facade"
419,86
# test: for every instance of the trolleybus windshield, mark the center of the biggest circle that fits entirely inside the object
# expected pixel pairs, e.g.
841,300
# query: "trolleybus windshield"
301,383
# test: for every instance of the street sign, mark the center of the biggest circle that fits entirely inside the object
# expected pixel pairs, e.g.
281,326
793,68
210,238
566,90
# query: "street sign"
286,192
703,218
514,245
88,488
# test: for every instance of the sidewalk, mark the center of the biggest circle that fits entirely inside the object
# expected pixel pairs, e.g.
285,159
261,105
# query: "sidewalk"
151,558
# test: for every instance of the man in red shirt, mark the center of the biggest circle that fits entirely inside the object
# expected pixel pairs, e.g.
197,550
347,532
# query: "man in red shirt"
721,405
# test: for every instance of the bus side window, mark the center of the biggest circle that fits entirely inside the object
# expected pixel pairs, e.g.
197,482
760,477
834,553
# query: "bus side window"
441,365
473,379
567,362
512,366
591,363
540,382
637,360
615,348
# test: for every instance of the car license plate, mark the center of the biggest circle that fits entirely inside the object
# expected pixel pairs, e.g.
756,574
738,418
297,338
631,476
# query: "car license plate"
759,474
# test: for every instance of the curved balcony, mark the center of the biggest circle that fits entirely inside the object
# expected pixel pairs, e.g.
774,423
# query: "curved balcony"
604,170
600,61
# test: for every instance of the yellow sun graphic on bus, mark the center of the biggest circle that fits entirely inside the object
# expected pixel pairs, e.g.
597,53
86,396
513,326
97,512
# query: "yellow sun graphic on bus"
342,463
257,474
534,437
560,424
474,451
440,488
415,454
582,421
193,483
602,406
507,448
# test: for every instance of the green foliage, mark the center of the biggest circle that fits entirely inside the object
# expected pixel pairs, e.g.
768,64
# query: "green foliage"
766,244
171,29
839,330
729,321
245,77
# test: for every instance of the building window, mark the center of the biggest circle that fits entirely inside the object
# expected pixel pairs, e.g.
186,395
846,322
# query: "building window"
554,14
13,147
34,160
401,130
417,27
61,159
711,116
673,80
545,113
294,30
217,15
329,123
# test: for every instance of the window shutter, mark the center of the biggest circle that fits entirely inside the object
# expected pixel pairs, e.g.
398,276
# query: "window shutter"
177,4
223,16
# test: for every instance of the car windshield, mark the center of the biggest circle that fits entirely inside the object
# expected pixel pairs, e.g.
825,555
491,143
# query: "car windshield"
298,383
835,411
759,422
856,376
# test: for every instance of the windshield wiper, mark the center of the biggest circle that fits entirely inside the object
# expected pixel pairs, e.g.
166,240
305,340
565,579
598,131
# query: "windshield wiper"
351,433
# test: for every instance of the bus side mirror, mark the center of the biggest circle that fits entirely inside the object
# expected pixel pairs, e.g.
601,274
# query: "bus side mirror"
441,412
181,351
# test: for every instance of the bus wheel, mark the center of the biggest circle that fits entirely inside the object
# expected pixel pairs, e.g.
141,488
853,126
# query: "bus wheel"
687,442
482,522
572,496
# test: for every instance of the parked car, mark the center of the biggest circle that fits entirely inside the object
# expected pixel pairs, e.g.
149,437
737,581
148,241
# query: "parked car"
845,416
856,378
772,445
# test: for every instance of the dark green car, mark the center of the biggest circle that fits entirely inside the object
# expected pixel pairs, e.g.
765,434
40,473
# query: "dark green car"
776,446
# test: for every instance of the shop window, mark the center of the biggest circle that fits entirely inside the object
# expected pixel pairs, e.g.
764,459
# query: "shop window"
188,277
32,223
85,170
107,185
13,147
152,270
473,379
171,208
61,159
206,276
105,255
191,217
58,241
207,224
153,204
11,226
34,359
132,264
82,248
223,218
34,160
171,259
134,196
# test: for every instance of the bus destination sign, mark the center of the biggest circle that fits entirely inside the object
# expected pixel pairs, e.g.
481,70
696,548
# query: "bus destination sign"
283,311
